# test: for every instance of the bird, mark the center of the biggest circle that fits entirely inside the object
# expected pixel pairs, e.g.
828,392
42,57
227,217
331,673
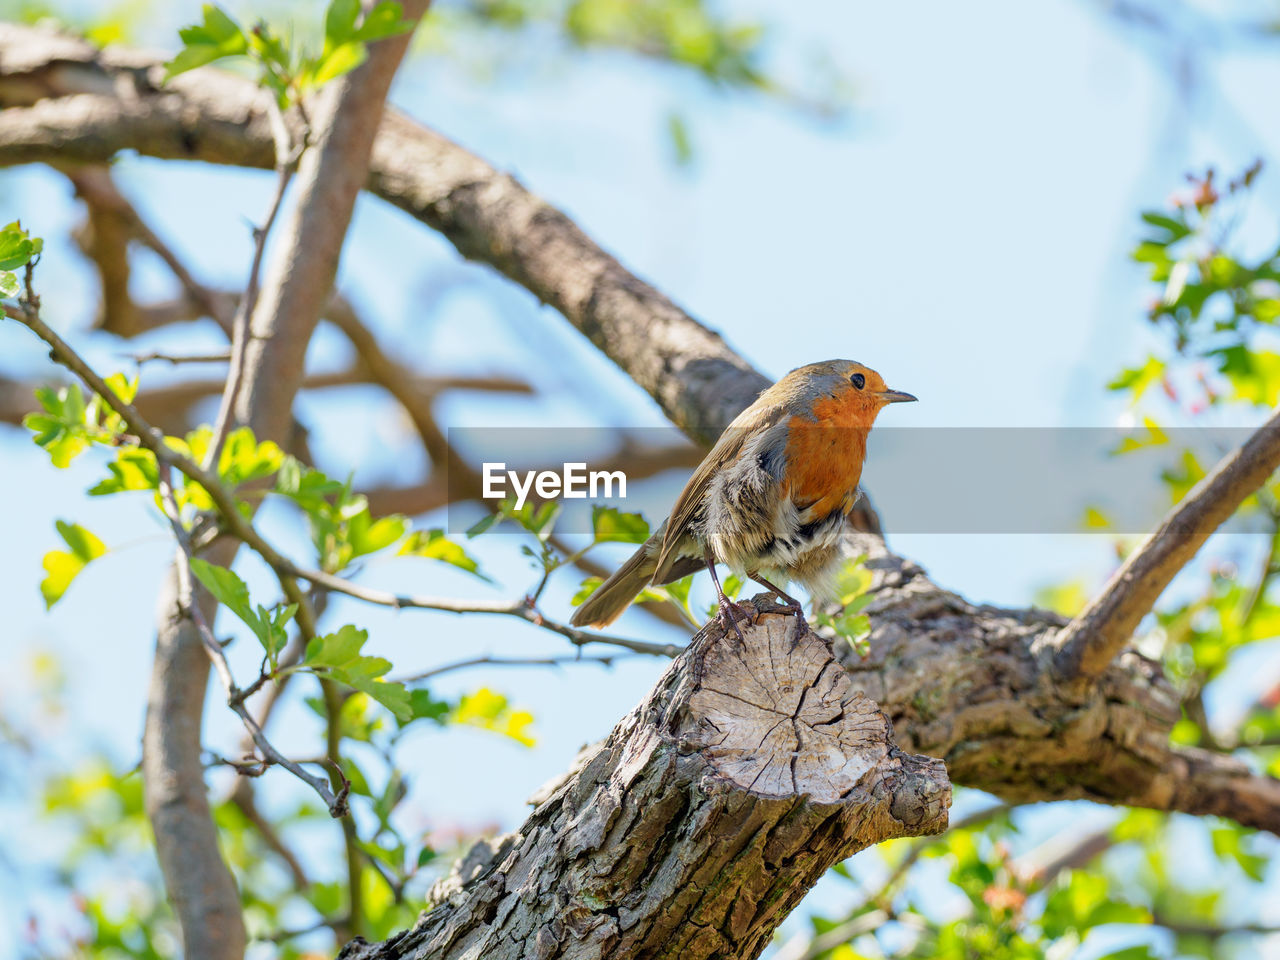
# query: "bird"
771,498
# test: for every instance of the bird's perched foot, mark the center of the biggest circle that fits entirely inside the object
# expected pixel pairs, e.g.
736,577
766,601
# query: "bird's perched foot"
729,615
790,605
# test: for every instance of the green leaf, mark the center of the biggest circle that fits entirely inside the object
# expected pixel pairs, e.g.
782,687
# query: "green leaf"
384,20
1175,228
367,535
427,707
1229,841
337,656
1140,952
681,142
434,545
61,566
17,248
1254,374
9,284
483,524
216,37
244,460
340,21
232,592
1138,379
341,59
586,589
133,469
1153,436
612,525
491,711
62,429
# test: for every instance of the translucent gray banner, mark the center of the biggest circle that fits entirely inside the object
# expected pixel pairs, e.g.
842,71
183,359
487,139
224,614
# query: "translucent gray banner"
920,480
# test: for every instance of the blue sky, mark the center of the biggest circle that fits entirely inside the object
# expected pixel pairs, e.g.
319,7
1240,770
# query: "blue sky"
964,230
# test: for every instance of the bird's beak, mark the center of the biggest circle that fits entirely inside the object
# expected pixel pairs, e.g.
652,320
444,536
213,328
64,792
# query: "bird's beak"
895,396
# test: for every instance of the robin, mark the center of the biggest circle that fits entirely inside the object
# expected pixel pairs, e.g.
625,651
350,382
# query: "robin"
771,498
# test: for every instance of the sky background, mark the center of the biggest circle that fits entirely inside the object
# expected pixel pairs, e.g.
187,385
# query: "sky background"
963,229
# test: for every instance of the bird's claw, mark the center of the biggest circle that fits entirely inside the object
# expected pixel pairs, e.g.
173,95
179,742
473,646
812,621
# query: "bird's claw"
728,616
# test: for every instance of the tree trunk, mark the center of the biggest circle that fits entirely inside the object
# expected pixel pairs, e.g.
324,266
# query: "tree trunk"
698,825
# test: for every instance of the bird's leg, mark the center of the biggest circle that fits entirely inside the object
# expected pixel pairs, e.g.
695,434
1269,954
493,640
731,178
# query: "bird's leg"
728,615
793,605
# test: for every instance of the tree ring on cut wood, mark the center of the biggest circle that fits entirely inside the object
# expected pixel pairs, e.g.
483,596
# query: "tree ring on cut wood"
778,716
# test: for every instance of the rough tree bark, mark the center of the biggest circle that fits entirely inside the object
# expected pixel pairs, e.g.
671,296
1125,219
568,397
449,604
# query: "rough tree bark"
976,686
695,827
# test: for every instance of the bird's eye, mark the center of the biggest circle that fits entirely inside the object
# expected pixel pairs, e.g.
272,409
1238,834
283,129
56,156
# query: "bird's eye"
858,380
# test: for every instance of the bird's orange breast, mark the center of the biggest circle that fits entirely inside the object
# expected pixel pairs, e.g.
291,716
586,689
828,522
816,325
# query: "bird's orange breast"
825,456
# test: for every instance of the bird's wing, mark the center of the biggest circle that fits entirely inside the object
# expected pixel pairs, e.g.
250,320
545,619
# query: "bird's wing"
755,419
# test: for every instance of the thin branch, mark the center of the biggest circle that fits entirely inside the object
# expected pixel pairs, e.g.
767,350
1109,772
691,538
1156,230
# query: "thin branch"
285,569
350,839
1046,862
336,801
286,162
1212,931
99,191
488,661
697,379
242,796
176,359
1093,639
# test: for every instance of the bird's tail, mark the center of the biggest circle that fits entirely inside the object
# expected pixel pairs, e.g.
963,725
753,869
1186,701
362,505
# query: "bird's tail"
615,594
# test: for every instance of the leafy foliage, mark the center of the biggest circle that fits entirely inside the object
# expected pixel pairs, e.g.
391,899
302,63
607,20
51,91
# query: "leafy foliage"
17,249
232,592
490,711
290,71
338,656
63,566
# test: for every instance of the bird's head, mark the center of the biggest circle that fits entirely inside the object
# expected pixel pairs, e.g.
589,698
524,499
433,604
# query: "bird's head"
839,393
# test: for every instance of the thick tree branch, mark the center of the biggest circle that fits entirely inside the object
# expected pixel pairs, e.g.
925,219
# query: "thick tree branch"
62,105
698,824
976,686
1094,638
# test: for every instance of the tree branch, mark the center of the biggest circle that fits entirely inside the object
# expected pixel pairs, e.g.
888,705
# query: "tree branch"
698,824
697,380
1094,638
975,686
335,801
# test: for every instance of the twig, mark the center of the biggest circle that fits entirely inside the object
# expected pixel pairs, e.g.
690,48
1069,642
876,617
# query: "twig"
513,662
350,840
242,797
96,186
280,936
178,358
801,947
1092,640
286,161
1212,931
285,569
335,801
